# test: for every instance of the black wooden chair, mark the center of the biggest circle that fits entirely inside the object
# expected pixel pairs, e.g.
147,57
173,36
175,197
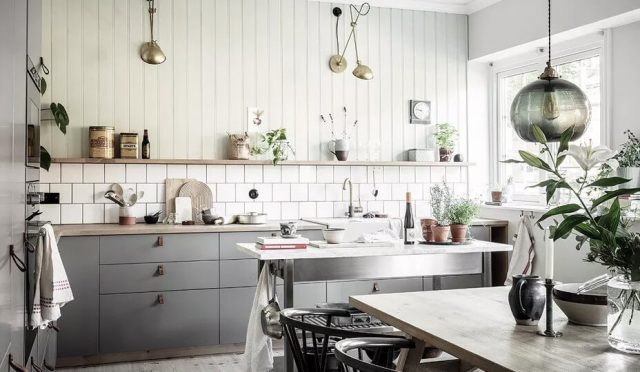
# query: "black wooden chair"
380,350
312,338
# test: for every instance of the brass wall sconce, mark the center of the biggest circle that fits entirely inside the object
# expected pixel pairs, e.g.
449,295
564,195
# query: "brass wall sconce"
337,62
150,51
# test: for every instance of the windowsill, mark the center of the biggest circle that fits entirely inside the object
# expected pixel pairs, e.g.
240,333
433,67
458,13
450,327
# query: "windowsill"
525,207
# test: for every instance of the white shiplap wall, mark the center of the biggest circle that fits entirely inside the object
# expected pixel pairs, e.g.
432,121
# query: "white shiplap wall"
226,55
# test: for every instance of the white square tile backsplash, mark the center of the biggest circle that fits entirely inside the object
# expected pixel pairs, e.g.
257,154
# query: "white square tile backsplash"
284,192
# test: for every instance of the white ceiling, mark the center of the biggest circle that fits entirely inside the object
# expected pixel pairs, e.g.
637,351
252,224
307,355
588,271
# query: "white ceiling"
444,6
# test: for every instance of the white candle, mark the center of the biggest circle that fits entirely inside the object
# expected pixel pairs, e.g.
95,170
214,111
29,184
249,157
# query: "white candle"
548,261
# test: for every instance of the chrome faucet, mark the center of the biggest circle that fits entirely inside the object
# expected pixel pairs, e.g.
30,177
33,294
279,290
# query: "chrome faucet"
344,187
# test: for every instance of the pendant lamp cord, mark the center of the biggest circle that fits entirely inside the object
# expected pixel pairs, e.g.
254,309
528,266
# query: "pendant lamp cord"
549,29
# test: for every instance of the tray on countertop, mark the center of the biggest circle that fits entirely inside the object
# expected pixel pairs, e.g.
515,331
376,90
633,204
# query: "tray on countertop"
448,242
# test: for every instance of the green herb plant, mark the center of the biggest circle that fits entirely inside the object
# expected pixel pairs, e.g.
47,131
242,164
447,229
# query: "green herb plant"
462,211
446,136
440,203
274,141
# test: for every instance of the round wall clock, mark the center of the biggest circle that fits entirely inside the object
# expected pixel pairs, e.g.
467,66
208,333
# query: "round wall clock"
419,112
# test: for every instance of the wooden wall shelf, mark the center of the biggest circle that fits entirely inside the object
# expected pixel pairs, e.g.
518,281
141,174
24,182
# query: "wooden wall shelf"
255,162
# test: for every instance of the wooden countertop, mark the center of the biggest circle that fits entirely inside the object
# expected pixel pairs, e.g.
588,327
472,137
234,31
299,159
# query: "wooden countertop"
142,228
398,249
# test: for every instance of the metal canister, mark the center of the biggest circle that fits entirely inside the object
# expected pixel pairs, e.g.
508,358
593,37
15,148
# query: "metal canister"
101,142
129,145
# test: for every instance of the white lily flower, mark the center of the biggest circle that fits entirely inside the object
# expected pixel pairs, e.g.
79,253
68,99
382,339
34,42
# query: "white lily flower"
588,156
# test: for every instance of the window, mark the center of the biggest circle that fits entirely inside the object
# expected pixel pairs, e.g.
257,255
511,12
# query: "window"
583,69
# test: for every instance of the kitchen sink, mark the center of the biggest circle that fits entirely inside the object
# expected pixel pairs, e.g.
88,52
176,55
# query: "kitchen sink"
356,226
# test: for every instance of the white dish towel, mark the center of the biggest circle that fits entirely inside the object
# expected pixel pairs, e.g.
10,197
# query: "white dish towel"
52,285
258,350
523,250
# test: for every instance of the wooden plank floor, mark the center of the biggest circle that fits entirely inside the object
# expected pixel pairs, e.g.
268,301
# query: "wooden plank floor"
212,363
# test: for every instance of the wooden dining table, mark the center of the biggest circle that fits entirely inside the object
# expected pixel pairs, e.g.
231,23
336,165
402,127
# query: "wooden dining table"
476,326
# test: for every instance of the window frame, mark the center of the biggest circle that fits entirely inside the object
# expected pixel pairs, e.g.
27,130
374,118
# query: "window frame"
583,48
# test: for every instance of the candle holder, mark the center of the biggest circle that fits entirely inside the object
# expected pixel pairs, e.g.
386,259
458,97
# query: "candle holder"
549,332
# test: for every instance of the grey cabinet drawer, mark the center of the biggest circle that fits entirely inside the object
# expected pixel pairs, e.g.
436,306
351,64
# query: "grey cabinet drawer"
158,248
235,307
164,276
340,291
461,281
229,240
138,322
238,273
427,283
78,325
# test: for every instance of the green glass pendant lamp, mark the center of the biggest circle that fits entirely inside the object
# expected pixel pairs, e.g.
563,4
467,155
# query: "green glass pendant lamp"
552,103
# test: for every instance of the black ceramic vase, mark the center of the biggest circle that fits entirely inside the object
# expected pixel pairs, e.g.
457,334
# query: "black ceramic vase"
526,299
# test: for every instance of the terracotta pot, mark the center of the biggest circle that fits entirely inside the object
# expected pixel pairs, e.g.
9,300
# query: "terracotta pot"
427,228
440,233
496,196
445,154
458,233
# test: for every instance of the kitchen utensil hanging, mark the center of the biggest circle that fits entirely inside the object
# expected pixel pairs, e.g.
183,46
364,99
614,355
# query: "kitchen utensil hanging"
151,52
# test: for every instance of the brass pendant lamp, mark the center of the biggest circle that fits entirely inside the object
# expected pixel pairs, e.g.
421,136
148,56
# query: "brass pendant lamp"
150,51
552,103
337,62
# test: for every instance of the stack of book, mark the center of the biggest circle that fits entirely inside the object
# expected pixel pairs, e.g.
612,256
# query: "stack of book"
277,242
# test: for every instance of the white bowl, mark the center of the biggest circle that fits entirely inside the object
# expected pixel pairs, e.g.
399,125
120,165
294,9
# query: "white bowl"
333,236
585,309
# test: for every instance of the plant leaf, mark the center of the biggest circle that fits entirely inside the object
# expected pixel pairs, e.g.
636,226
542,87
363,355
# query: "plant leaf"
543,184
612,194
530,159
511,161
538,134
611,220
550,190
567,225
563,209
43,86
60,116
607,182
45,159
587,230
565,137
560,160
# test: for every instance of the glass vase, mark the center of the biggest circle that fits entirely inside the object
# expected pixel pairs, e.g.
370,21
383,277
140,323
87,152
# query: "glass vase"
623,321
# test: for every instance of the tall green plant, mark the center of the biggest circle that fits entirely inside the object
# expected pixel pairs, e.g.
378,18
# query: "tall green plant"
611,243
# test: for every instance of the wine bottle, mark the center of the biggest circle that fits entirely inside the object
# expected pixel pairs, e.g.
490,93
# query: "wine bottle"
408,221
146,146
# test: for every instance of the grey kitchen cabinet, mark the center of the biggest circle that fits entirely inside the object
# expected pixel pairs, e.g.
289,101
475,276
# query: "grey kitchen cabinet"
159,320
78,325
235,307
339,291
461,281
158,248
166,276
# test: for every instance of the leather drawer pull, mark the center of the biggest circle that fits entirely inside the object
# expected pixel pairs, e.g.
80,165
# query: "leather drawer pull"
160,299
34,366
15,366
160,270
160,241
376,287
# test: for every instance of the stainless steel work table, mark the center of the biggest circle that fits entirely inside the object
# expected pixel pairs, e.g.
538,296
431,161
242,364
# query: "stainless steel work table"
312,264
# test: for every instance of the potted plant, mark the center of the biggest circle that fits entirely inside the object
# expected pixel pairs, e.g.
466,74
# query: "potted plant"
440,202
629,160
461,212
595,218
274,141
446,140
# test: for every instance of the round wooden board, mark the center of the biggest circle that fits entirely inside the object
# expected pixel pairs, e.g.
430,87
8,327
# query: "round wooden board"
201,197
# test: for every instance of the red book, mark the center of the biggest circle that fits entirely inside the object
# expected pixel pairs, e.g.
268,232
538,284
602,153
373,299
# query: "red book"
280,246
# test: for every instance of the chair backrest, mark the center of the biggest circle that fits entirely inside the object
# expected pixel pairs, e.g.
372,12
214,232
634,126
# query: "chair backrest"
381,351
313,350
